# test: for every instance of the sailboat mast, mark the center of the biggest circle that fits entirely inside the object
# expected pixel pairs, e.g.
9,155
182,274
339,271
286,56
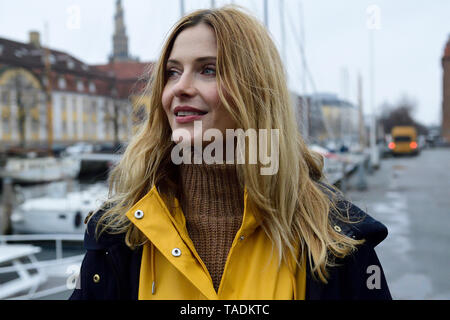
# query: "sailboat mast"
373,139
362,136
283,32
306,107
182,8
266,13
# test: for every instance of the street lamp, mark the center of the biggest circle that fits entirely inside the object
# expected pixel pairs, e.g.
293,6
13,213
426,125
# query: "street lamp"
373,24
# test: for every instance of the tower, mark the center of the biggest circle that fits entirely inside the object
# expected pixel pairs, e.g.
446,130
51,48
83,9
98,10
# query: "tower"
446,94
120,38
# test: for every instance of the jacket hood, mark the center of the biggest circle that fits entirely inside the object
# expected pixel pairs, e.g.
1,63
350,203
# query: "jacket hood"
360,224
352,221
105,239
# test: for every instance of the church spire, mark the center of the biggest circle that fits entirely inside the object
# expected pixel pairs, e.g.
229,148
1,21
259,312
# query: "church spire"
120,38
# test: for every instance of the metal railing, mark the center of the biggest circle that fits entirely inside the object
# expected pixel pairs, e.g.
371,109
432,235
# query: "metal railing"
43,267
58,238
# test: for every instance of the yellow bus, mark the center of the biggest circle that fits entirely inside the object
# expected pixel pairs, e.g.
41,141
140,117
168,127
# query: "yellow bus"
404,140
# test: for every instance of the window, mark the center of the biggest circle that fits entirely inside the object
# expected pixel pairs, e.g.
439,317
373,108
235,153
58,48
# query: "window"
64,117
402,139
61,83
108,119
5,98
93,127
21,52
52,59
6,120
44,81
86,120
35,117
70,64
92,87
75,117
80,85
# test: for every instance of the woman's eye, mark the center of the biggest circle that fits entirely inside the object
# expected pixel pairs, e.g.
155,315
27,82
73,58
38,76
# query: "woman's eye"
209,71
171,73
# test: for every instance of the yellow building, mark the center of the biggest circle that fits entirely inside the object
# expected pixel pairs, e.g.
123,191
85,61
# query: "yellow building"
85,102
22,100
81,102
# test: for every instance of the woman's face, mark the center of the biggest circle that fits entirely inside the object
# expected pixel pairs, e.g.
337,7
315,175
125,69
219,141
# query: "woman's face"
190,93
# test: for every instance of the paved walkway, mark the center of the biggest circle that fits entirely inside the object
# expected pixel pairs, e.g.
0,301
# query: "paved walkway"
411,196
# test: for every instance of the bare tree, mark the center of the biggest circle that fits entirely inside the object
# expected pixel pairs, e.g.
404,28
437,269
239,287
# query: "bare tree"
400,114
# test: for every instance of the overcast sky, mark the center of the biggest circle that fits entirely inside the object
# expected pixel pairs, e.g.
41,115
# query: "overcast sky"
408,44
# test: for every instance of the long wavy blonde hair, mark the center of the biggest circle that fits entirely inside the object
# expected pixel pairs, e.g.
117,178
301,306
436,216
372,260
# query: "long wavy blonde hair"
292,208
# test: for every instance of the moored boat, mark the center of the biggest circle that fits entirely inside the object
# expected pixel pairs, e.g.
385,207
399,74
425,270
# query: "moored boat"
56,213
41,169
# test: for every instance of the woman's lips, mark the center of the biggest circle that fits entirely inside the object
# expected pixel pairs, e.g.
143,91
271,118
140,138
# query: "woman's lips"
187,119
186,114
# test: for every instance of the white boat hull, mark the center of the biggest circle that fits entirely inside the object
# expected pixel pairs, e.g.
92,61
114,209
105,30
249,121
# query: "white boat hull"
41,169
65,215
49,222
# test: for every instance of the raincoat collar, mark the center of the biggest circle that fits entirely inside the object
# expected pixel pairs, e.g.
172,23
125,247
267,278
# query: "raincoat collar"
167,232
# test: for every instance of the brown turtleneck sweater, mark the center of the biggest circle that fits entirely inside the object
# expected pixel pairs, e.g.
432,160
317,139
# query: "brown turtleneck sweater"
213,203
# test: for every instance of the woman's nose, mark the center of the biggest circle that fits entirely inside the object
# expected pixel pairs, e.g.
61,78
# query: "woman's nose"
185,86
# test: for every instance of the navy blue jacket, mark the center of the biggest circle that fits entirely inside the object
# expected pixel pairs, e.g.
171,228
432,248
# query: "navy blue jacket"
110,270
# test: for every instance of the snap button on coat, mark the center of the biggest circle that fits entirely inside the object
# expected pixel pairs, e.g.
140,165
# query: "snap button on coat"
176,252
96,278
139,214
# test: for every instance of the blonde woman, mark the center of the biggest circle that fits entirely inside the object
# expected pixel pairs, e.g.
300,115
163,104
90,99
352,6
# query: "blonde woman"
189,221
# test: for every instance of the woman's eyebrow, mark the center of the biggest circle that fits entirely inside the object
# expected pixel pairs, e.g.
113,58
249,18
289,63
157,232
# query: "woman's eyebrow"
198,60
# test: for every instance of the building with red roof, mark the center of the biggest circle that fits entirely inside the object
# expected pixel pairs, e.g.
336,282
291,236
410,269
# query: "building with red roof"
48,97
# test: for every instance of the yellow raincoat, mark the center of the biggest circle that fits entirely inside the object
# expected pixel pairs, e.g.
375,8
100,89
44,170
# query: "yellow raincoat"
171,269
